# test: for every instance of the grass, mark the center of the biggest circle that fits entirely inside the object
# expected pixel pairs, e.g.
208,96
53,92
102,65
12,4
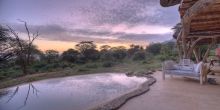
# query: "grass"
62,70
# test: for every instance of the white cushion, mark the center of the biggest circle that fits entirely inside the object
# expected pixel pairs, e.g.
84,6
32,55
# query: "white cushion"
176,67
187,68
198,67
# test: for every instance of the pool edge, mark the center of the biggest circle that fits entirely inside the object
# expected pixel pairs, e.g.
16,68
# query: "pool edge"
121,100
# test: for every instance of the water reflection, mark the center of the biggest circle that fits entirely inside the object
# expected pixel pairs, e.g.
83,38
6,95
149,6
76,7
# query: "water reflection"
70,93
13,92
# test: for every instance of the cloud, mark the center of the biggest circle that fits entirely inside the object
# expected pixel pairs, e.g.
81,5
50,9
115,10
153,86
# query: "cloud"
59,33
131,12
147,37
90,12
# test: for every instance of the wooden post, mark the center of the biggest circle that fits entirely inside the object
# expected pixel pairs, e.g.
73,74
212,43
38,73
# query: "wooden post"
195,51
208,50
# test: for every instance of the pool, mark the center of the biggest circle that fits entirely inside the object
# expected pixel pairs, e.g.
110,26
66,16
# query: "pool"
70,93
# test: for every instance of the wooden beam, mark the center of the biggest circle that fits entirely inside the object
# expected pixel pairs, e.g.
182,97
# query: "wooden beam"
208,50
198,7
195,51
192,46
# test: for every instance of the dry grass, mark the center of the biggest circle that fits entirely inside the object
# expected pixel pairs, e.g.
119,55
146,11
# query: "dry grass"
126,66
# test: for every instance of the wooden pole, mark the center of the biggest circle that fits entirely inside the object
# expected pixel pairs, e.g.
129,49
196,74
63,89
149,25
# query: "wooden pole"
195,51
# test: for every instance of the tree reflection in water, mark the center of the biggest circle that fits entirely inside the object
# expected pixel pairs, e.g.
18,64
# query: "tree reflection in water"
31,87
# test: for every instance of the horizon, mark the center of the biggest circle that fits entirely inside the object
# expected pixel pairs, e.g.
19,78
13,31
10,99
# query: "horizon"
113,22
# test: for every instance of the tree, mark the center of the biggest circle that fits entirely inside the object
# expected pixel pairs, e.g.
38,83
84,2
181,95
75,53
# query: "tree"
119,53
105,48
70,55
106,54
36,54
154,48
177,29
7,45
140,55
85,45
168,51
24,47
51,55
133,49
88,50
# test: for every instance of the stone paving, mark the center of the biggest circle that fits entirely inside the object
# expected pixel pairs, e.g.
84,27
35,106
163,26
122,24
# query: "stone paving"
176,93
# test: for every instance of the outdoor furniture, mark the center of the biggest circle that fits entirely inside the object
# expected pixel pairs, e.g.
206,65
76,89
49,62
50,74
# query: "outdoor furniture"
185,68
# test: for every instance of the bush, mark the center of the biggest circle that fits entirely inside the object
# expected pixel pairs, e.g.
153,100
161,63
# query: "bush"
39,65
154,48
70,55
12,73
81,59
139,55
64,65
144,62
108,64
91,66
82,69
107,56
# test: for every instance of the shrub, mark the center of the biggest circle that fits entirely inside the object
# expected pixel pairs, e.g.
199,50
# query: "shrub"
107,56
64,65
154,48
144,62
81,59
39,65
91,66
107,64
70,55
140,55
82,69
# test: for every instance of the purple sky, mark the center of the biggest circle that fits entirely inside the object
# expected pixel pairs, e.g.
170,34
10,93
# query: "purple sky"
103,21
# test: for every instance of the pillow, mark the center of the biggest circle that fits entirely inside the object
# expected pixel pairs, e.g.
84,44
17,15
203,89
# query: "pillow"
198,67
185,62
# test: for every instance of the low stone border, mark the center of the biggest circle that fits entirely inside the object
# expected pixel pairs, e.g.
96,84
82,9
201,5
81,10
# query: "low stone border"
118,102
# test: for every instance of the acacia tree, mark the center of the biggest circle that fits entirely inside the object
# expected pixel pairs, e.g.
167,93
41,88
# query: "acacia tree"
134,49
88,50
24,47
6,45
105,48
70,55
154,48
51,55
119,53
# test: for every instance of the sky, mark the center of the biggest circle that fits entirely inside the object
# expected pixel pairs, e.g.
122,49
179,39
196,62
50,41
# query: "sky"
63,23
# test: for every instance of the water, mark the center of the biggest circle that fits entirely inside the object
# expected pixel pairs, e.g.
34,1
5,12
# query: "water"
69,93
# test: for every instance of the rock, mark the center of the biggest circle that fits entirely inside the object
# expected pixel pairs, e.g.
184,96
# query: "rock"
212,81
130,73
149,73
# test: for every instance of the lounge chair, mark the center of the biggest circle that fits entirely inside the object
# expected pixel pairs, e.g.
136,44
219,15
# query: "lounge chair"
185,68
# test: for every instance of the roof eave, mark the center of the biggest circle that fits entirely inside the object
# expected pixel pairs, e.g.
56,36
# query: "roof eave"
168,3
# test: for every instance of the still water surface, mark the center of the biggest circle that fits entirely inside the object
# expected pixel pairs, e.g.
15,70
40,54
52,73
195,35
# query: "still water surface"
69,93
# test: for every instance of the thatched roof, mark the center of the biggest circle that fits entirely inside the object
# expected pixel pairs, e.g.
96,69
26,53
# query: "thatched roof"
167,3
204,23
202,18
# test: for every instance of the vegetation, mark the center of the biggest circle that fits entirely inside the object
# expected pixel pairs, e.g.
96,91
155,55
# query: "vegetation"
84,58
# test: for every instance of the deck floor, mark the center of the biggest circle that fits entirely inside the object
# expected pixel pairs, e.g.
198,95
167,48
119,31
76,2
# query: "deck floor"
176,94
